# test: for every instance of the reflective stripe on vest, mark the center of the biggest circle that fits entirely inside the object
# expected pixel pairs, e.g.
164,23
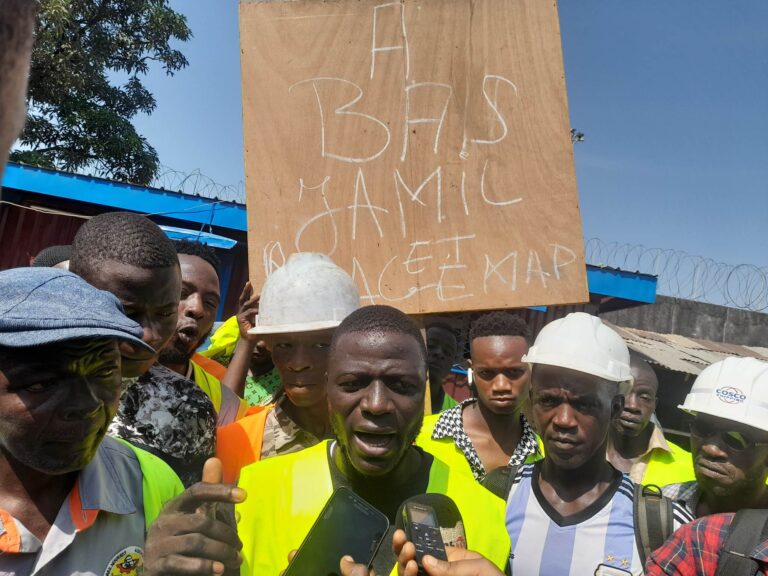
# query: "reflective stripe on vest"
208,383
207,375
210,366
286,494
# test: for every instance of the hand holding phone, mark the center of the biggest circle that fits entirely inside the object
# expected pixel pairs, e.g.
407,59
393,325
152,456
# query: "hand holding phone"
422,528
347,526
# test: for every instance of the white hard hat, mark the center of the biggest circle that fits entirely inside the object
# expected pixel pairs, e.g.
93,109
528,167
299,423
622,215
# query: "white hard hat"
735,389
583,343
308,293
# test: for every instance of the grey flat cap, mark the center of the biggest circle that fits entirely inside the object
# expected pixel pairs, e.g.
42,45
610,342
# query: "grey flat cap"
41,306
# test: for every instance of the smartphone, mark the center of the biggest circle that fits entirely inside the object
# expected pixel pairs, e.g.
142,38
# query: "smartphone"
347,525
423,530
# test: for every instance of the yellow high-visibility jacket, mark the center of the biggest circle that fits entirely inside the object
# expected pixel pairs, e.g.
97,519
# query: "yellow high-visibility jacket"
669,467
207,374
287,493
448,452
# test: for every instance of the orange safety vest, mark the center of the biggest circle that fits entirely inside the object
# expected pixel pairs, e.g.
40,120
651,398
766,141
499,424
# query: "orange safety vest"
239,444
209,365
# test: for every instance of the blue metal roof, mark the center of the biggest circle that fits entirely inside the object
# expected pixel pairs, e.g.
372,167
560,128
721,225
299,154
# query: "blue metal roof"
603,281
616,283
213,240
122,196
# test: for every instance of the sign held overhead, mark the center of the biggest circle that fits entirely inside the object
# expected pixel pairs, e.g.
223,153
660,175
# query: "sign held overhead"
424,145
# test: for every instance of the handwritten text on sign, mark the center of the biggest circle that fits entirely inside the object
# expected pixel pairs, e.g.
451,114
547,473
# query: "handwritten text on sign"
423,145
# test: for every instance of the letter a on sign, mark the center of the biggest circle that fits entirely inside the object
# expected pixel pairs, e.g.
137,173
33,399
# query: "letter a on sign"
376,126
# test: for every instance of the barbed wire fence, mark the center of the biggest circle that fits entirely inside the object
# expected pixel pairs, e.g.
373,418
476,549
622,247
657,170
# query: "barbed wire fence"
198,184
680,274
687,276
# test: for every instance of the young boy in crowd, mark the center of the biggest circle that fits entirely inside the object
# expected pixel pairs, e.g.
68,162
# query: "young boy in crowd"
160,411
301,305
489,430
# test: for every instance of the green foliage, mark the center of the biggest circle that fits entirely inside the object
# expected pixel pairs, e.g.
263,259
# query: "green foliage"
85,84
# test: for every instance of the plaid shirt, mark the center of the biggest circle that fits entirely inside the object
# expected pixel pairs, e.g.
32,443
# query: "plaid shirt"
694,549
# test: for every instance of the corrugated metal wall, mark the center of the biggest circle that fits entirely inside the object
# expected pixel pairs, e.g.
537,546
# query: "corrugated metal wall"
23,233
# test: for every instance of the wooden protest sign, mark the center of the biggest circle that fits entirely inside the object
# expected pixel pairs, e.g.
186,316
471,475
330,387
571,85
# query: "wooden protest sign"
424,145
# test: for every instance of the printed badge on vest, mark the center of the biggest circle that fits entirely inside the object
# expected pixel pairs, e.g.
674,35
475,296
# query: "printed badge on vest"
128,562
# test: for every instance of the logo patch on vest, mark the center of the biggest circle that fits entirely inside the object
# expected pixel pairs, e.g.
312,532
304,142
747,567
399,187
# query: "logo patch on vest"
730,395
128,562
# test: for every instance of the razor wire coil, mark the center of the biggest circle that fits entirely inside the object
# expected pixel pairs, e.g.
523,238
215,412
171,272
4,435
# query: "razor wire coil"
198,184
680,274
688,276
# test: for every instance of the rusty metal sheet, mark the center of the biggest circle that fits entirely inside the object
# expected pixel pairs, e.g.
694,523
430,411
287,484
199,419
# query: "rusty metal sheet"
683,354
23,233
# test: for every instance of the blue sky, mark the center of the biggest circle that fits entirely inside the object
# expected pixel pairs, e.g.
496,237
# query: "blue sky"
672,97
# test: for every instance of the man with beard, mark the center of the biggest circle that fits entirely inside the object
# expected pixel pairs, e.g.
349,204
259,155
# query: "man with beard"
160,411
637,445
489,430
376,384
572,512
72,501
729,439
200,299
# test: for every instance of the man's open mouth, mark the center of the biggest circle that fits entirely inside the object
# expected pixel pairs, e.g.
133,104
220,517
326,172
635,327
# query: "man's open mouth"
375,442
188,334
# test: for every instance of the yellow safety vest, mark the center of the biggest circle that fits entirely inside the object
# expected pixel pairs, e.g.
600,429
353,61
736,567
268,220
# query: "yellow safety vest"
160,484
448,452
224,340
287,493
228,405
669,467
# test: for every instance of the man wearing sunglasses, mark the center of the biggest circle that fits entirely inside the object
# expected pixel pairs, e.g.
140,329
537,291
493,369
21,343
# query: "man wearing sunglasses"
729,439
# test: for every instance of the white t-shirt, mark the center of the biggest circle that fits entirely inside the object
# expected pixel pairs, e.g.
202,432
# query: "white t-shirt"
546,544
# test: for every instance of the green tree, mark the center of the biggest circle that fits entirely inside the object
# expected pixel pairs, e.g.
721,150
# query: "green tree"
85,84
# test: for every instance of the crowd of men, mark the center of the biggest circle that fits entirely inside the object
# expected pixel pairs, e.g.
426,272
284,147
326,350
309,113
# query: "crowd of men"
127,447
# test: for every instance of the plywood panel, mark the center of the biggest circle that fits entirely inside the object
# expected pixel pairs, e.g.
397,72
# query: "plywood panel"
424,145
